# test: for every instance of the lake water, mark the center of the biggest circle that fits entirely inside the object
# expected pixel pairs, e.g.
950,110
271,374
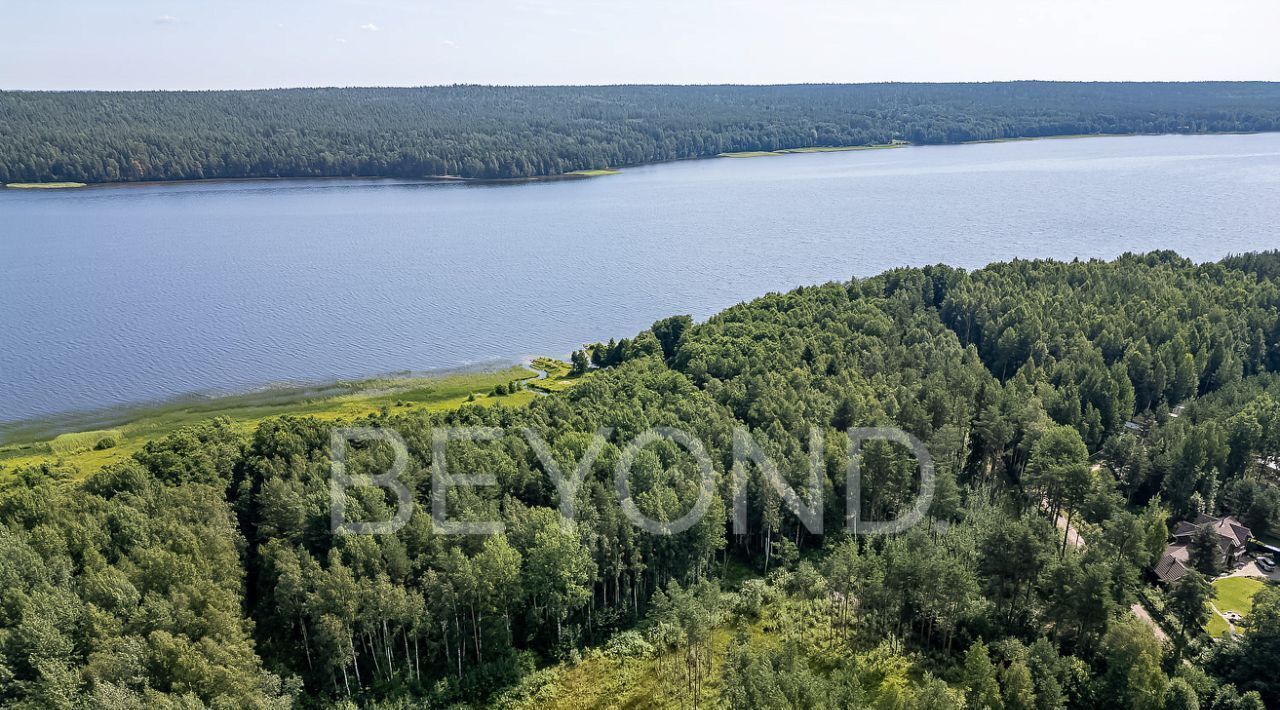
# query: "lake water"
127,294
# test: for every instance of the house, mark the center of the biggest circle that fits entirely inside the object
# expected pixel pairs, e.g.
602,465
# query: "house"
1173,564
1137,425
1232,539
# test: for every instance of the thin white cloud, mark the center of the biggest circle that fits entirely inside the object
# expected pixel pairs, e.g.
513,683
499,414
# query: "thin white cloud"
341,41
166,20
449,43
370,27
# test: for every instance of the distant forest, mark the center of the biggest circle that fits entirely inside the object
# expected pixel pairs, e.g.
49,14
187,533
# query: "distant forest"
515,132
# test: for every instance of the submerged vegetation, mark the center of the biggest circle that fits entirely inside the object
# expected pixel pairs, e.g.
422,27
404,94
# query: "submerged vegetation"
200,568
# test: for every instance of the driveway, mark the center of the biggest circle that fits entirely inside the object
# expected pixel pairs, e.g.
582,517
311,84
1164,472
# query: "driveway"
1252,570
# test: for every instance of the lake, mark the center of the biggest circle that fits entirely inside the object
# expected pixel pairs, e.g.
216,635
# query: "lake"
127,294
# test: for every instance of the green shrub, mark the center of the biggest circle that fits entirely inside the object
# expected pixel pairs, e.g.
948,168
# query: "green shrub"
74,443
628,644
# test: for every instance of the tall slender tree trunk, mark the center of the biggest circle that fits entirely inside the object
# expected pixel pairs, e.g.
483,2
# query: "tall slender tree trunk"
444,633
1066,534
306,645
355,660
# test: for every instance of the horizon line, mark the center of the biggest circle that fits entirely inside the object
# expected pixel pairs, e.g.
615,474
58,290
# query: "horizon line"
320,87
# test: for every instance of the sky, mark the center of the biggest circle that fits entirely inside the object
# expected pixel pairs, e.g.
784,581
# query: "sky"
228,44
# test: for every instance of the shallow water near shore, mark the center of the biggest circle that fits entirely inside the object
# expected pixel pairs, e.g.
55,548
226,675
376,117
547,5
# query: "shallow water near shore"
124,295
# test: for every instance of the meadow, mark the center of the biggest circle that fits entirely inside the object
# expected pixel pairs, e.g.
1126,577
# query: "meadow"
93,448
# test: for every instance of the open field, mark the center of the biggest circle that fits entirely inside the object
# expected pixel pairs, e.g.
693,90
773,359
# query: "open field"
43,185
91,449
1234,594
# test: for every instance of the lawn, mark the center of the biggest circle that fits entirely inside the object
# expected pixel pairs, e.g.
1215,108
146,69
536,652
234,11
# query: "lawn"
130,429
1233,594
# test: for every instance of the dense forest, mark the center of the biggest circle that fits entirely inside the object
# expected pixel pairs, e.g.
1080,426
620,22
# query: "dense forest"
202,572
515,132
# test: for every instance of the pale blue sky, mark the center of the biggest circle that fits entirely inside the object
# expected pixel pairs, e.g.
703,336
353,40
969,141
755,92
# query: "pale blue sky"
177,44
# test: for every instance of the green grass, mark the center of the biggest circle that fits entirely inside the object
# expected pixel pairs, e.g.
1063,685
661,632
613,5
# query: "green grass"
43,185
593,173
77,442
558,378
603,682
814,149
1217,627
43,442
1234,594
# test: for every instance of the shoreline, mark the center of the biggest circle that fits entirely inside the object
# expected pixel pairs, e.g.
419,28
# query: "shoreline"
813,149
426,180
45,185
588,173
74,437
283,392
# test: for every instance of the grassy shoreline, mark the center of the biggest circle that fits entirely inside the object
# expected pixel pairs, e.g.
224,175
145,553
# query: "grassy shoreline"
592,173
116,434
44,185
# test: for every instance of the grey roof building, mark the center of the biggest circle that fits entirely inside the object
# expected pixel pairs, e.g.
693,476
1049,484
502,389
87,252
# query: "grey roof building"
1232,538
